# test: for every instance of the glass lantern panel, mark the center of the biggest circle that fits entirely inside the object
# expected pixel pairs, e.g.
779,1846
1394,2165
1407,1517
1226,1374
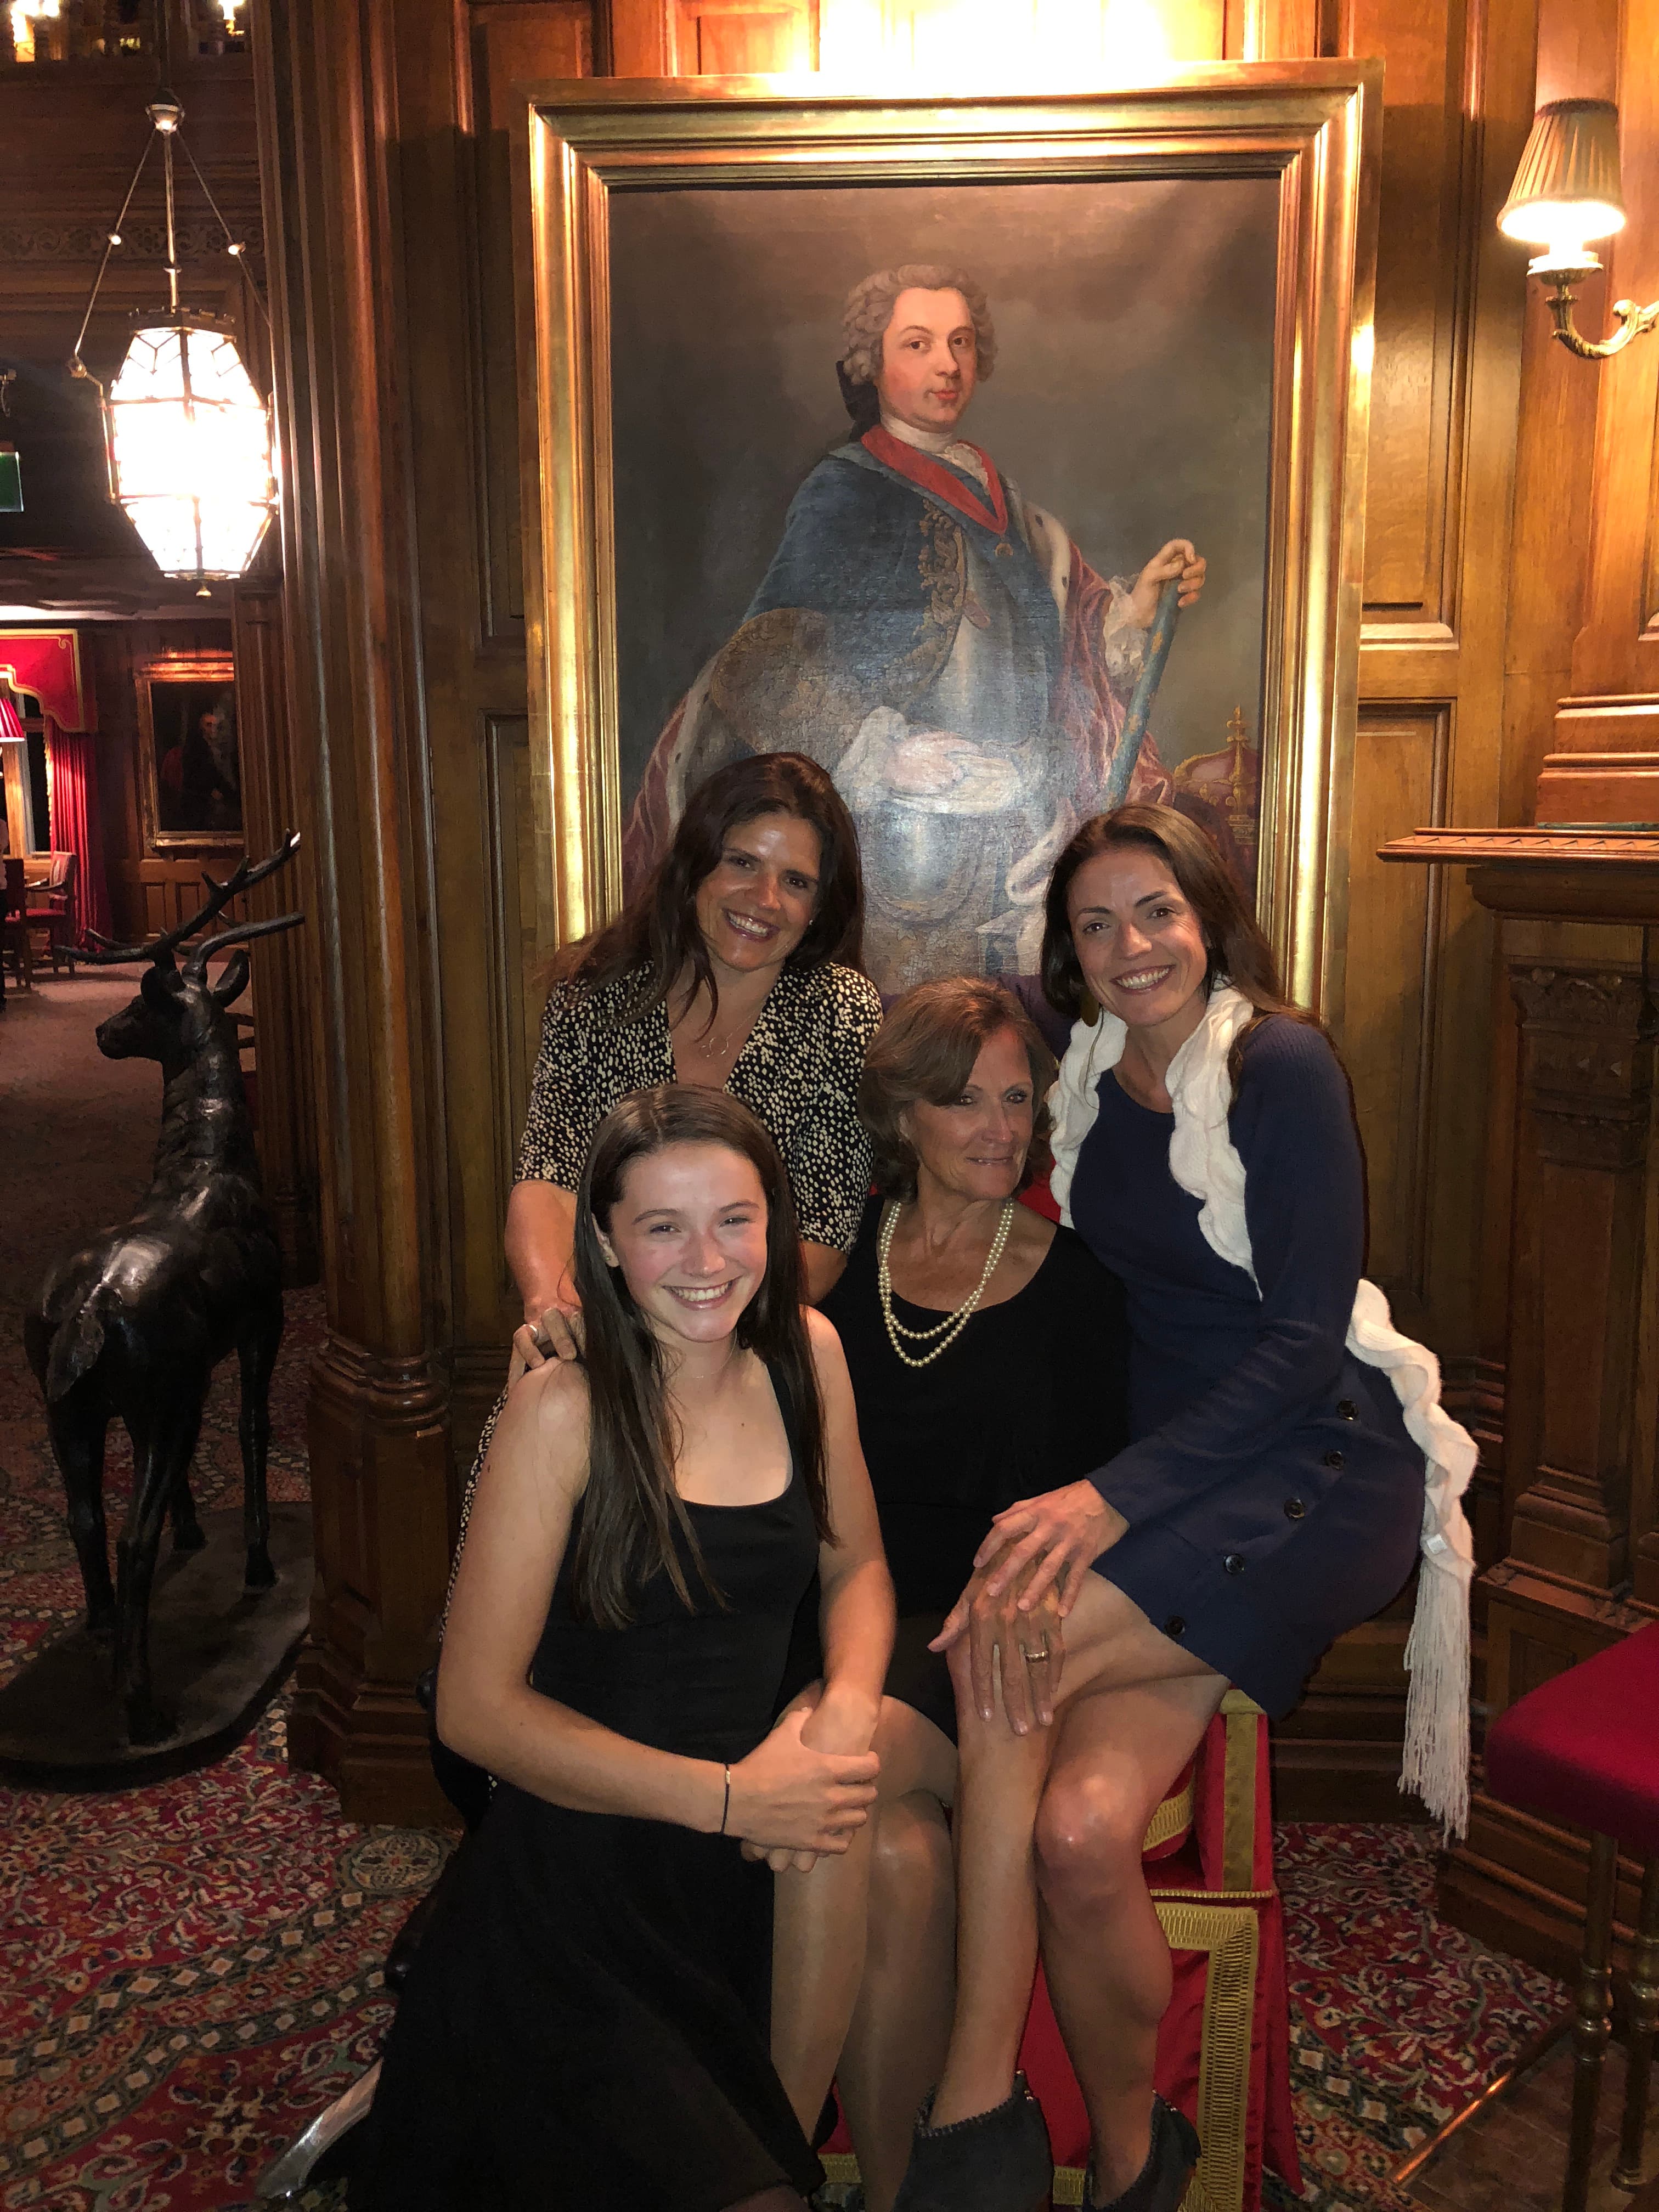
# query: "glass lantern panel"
167,527
153,367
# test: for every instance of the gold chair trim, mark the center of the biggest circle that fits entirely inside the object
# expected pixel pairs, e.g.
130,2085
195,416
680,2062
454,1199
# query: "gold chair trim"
1173,1818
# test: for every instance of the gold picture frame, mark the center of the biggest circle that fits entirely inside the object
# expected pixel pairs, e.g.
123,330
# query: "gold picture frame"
189,777
1312,128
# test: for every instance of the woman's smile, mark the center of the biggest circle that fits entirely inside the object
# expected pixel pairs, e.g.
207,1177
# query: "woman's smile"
705,1294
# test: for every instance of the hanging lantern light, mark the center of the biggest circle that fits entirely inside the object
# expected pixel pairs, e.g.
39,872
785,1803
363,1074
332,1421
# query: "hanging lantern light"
186,435
189,448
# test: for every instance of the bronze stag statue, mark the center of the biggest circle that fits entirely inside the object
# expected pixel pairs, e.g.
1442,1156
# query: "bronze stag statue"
131,1327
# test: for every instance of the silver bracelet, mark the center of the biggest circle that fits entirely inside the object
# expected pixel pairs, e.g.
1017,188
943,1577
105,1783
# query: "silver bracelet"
726,1809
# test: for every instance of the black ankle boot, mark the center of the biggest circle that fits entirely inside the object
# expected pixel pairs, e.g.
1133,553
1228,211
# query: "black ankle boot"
1162,2182
997,2161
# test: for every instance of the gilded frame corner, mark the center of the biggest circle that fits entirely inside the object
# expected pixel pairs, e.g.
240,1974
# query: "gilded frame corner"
1314,125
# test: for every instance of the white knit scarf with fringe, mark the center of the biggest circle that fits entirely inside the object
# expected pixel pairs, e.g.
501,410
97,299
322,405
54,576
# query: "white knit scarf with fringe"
1203,1161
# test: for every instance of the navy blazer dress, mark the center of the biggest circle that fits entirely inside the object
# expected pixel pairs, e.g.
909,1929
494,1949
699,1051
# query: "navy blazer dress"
1273,1497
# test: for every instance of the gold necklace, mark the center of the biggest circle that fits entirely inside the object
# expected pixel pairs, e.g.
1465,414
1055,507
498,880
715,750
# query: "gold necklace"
952,1327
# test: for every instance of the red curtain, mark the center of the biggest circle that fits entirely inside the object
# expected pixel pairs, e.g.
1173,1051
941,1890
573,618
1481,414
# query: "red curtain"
47,664
72,795
9,726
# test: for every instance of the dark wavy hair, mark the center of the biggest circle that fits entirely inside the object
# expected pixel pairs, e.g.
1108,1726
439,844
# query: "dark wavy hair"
657,930
633,1523
925,1049
1239,952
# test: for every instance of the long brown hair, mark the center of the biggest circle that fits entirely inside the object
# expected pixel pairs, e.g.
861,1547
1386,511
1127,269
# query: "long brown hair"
1239,952
632,1512
925,1049
657,930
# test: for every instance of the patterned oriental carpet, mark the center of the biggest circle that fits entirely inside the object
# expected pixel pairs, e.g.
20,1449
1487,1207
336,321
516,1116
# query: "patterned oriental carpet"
189,1972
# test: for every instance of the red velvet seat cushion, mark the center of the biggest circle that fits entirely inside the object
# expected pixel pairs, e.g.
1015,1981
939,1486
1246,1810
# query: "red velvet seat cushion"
1584,1747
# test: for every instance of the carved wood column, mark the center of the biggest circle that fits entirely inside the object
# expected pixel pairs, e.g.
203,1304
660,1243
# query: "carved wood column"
378,1412
283,966
1576,913
1576,1267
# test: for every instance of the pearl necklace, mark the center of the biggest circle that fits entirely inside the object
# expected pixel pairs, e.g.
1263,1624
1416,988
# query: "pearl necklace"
952,1327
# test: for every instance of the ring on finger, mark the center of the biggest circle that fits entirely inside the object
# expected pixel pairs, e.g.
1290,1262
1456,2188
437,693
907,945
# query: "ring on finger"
1038,1657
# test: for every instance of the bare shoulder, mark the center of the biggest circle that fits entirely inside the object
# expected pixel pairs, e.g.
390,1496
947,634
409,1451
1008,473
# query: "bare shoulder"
542,1433
828,1358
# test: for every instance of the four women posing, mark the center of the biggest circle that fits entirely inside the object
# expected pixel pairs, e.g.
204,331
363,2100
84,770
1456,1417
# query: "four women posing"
1112,1466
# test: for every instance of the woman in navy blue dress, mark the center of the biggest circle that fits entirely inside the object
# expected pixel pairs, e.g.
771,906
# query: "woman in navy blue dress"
1269,1500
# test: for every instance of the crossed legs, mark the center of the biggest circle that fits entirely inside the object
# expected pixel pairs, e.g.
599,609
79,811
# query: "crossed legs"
1048,1832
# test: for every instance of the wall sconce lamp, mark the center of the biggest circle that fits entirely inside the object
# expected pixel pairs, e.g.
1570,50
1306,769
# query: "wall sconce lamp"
1565,193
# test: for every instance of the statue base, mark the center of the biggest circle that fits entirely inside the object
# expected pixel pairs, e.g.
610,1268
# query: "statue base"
219,1654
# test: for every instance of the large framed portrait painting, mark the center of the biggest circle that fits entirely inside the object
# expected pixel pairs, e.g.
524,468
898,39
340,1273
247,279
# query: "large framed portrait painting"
1004,456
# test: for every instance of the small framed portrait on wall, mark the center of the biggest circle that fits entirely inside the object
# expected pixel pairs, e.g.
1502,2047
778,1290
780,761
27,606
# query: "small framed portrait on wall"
189,779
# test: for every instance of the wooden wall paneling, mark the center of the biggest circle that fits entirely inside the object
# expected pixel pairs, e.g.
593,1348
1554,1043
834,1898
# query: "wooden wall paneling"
513,43
329,127
486,898
1413,485
1274,30
283,993
1580,1255
1402,772
1617,651
944,40
1555,463
741,38
148,891
515,1004
1438,631
1417,1009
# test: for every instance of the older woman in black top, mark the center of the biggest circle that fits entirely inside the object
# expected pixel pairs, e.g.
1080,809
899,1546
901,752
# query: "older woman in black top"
989,1354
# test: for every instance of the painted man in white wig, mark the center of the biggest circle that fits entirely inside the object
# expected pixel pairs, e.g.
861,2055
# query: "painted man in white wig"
938,642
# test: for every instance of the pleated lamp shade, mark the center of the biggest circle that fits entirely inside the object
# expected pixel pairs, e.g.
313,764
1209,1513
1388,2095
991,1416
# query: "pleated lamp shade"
1566,191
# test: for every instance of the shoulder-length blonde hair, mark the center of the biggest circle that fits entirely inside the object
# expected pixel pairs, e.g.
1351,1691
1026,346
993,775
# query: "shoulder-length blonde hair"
925,1050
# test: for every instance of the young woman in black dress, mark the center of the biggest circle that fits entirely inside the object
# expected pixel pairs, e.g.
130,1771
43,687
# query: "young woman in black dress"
585,2022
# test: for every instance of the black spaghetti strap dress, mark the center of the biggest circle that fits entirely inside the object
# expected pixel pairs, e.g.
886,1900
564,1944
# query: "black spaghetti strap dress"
586,2020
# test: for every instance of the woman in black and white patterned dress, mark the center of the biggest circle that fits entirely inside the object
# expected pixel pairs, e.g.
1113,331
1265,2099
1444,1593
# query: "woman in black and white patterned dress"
735,967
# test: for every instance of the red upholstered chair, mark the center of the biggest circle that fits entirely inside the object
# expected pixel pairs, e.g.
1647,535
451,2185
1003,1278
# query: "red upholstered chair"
1223,2049
1584,1748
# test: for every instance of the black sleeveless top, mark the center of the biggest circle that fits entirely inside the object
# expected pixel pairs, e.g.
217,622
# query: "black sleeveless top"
703,1682
1032,1394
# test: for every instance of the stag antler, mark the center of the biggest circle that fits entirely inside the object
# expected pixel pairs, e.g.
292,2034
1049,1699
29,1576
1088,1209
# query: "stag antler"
160,949
195,966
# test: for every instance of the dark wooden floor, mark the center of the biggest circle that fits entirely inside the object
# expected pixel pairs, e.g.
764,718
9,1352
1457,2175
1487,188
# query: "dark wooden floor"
1511,2155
